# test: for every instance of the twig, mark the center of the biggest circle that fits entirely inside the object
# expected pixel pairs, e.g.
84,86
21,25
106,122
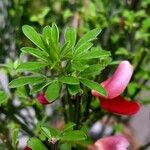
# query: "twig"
15,119
77,110
87,107
64,109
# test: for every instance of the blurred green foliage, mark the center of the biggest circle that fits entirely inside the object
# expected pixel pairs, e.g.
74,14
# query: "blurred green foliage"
125,33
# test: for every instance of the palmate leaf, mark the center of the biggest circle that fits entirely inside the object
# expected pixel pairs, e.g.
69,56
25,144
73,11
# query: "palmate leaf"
91,35
21,81
33,36
94,86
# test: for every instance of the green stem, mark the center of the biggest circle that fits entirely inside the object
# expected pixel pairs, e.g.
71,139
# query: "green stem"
64,110
70,100
54,146
87,107
138,89
77,111
141,59
5,135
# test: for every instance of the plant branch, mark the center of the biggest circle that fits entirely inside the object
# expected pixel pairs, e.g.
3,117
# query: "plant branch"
15,119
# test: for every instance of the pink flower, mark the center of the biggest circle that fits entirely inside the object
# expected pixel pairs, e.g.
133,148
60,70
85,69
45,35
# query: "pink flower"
41,98
117,142
115,85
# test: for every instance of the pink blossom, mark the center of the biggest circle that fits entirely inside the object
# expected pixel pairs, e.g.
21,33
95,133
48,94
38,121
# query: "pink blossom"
117,142
116,84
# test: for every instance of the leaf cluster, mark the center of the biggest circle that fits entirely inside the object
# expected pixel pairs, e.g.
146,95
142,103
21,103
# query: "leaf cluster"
73,63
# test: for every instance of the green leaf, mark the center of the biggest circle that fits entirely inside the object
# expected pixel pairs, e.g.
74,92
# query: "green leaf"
2,146
3,97
50,132
146,23
118,128
29,66
91,35
47,133
33,36
16,63
69,80
78,66
35,144
40,17
15,133
73,136
55,34
52,91
132,88
21,92
92,70
94,86
35,52
65,146
48,33
94,53
70,37
68,127
65,49
83,48
74,89
21,81
40,86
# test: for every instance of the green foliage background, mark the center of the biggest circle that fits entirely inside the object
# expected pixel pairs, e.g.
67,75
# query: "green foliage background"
125,34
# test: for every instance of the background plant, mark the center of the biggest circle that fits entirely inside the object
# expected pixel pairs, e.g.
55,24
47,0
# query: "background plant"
125,33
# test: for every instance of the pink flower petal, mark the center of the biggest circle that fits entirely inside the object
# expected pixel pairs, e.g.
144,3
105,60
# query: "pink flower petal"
116,84
117,142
